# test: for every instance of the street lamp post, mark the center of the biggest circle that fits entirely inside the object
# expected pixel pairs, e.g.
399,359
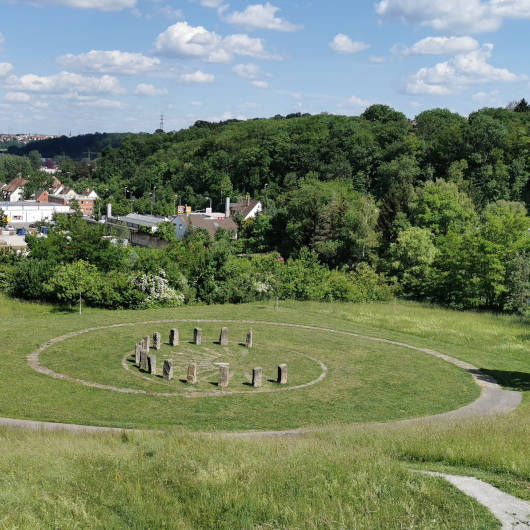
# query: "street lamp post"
208,199
128,191
153,199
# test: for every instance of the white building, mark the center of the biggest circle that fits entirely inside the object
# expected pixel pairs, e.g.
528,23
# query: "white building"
31,211
14,190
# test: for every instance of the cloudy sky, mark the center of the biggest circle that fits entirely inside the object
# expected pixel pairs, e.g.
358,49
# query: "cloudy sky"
115,65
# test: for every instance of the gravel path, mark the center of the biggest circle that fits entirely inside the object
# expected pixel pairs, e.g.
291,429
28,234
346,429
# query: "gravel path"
511,511
492,400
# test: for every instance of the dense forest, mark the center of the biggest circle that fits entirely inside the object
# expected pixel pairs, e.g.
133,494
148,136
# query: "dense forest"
437,205
76,147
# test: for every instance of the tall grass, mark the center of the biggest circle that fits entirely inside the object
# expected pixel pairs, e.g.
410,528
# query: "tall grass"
191,481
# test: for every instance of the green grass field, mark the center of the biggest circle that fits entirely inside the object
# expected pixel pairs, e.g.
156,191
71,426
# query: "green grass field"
341,475
366,380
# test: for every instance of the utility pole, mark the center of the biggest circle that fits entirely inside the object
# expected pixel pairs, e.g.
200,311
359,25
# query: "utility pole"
161,121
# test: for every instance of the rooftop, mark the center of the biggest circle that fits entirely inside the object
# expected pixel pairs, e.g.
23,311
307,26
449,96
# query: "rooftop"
16,183
244,207
210,224
142,220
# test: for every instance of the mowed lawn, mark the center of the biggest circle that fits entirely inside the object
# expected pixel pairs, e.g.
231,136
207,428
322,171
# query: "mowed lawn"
342,475
366,381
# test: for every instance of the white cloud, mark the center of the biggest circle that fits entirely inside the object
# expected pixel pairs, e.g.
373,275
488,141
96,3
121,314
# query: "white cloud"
171,13
376,59
5,69
456,16
459,72
2,40
181,39
102,104
64,82
101,5
441,46
343,44
355,102
110,62
241,44
196,103
261,16
260,84
249,71
211,3
197,77
144,89
487,98
17,97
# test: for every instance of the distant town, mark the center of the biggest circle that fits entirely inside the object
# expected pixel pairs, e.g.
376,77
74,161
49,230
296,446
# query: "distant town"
23,139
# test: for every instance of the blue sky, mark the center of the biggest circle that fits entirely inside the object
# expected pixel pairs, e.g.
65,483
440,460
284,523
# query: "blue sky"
115,65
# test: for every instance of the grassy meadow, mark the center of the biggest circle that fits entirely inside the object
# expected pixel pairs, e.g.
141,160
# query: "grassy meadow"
343,474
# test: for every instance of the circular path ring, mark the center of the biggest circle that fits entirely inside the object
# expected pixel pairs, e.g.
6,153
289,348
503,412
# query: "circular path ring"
34,362
493,398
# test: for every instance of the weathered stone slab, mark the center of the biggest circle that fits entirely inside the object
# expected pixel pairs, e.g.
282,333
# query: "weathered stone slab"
167,369
151,361
138,351
282,374
143,361
197,336
146,342
157,341
223,338
174,337
257,377
224,374
191,377
248,342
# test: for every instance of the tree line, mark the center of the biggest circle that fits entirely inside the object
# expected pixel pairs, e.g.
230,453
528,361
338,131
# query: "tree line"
437,205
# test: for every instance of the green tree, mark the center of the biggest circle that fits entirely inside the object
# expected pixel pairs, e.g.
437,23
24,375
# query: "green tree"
413,255
518,284
74,281
35,159
440,206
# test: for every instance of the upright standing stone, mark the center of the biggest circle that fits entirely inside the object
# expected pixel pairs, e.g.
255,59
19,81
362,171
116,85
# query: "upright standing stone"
224,374
197,336
192,374
151,361
157,341
282,374
223,339
248,342
174,337
143,361
145,343
139,348
257,377
167,369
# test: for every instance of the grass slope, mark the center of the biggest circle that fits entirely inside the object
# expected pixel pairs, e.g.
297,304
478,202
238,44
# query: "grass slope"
367,381
346,476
